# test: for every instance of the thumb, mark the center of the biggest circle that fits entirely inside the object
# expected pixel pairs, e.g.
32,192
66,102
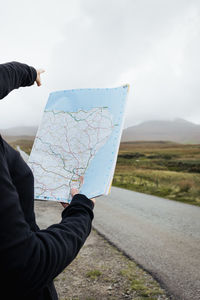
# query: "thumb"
74,192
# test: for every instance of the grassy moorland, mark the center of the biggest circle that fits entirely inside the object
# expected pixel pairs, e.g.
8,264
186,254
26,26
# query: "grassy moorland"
164,169
25,145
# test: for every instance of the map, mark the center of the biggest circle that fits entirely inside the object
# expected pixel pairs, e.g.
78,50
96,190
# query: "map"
77,143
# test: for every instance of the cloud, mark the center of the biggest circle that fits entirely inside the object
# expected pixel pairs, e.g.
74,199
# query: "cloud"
153,45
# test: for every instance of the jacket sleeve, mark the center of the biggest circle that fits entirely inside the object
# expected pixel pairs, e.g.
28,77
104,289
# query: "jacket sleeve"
30,260
14,75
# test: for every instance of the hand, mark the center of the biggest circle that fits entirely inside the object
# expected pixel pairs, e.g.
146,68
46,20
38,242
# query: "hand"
38,79
64,204
73,193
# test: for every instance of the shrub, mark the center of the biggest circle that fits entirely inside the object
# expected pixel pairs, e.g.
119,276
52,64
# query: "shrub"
185,186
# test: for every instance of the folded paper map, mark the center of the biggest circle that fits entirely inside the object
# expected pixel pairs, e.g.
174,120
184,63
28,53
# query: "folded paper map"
77,143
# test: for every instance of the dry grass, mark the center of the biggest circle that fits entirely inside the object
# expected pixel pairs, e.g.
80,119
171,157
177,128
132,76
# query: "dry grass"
163,169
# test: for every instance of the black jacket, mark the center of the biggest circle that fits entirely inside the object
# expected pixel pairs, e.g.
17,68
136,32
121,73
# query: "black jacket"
31,258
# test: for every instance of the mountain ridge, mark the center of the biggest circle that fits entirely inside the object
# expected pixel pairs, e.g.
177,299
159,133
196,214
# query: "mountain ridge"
19,131
178,130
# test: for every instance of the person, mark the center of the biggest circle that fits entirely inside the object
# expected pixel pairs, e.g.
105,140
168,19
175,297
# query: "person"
31,258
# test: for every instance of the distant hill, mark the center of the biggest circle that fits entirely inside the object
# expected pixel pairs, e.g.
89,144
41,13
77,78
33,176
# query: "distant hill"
179,130
16,133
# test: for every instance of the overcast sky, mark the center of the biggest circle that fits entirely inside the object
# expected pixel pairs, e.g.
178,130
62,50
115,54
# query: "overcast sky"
153,45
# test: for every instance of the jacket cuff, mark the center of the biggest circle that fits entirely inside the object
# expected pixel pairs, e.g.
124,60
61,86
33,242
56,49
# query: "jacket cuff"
34,74
82,202
82,199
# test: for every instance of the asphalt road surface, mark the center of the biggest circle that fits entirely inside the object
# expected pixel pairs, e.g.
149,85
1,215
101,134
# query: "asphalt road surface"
162,236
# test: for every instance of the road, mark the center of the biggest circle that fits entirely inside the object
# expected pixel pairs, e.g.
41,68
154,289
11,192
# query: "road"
161,235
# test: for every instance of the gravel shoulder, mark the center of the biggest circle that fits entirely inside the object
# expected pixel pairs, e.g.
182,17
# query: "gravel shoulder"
100,271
